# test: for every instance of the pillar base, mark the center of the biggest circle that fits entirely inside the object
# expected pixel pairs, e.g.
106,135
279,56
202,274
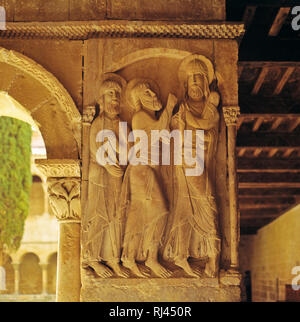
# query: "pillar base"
157,290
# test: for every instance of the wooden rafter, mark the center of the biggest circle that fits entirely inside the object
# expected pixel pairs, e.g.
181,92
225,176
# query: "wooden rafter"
271,205
285,77
272,152
287,152
268,149
294,124
257,124
276,123
279,21
257,152
241,152
260,80
268,170
268,185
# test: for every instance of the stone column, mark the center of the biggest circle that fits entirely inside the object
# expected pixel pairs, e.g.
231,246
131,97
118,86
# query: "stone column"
45,278
231,114
16,267
87,118
64,196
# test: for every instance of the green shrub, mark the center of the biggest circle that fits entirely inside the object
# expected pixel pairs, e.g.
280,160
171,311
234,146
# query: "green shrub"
15,180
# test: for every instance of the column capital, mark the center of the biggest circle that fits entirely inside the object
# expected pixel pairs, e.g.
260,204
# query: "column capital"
88,114
59,168
231,114
64,198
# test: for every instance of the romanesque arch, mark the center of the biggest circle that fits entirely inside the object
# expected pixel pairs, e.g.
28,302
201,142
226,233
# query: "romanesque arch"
46,100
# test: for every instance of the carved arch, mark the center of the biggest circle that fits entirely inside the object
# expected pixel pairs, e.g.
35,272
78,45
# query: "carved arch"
46,100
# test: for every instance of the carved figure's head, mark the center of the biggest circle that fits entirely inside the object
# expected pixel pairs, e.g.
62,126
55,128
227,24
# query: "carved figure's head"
143,94
110,96
110,93
196,73
197,80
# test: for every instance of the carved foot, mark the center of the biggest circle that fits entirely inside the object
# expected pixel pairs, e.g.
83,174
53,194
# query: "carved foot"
198,271
186,267
211,267
118,270
157,269
100,270
132,266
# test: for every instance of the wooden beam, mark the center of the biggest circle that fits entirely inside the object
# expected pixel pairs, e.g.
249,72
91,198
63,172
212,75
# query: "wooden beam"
257,124
294,124
279,21
288,152
251,217
241,152
272,152
268,185
260,80
239,123
286,75
268,170
263,206
276,123
257,152
258,149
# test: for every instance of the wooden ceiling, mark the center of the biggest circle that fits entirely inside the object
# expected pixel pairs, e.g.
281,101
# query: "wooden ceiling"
268,141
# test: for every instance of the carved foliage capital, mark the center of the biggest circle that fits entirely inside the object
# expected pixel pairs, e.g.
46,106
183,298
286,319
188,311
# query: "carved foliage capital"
88,114
231,114
64,197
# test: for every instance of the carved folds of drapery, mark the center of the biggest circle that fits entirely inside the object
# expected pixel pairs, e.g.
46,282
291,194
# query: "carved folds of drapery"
129,222
63,187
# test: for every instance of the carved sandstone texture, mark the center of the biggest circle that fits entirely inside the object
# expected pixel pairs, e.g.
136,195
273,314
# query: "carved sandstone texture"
50,101
61,10
143,220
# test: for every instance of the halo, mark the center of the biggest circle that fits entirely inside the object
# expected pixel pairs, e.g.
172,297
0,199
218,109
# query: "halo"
182,73
115,78
153,85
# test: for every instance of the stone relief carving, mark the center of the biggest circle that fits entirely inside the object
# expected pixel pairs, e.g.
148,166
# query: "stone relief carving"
64,198
146,209
102,225
193,231
132,226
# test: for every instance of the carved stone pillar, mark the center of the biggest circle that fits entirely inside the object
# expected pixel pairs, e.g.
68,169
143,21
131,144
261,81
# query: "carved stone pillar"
64,196
16,267
45,278
231,114
88,116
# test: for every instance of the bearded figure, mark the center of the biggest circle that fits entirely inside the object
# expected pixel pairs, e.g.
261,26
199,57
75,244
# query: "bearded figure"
143,202
192,232
102,227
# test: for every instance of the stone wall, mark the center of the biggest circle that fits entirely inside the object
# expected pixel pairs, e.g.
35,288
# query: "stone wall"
271,255
72,10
